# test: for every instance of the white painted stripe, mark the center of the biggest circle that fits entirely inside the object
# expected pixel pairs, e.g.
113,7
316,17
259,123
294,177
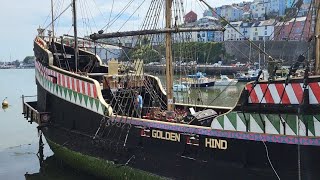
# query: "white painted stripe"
86,88
70,82
312,97
274,93
227,124
65,80
75,84
270,129
240,125
215,124
254,127
289,130
316,127
292,97
302,129
91,87
259,93
80,83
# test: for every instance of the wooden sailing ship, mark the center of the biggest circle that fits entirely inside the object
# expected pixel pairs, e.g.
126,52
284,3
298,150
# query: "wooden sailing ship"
86,112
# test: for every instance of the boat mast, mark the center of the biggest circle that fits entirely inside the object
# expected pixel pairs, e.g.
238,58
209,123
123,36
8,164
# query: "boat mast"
169,69
76,50
317,36
52,21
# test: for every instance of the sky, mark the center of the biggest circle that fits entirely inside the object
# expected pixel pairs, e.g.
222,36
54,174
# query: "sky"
19,20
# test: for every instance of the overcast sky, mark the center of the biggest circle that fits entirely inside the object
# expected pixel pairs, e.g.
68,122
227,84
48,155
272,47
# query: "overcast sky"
19,20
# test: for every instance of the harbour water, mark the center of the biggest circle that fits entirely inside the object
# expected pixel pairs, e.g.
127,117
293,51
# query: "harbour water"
19,139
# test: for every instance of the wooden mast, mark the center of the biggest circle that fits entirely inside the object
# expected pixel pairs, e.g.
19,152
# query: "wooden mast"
317,36
52,21
169,69
76,50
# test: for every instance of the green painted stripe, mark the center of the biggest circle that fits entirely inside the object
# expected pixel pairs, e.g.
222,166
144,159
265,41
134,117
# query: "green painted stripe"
291,120
97,102
85,100
221,120
317,117
259,120
232,116
274,120
308,121
244,117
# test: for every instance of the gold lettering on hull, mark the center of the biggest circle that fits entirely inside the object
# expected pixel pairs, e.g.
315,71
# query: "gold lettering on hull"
170,136
216,143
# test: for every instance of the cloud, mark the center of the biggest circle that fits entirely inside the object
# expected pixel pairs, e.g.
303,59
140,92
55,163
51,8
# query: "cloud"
20,20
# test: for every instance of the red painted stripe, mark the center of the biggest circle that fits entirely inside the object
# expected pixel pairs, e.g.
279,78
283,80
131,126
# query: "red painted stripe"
73,85
83,87
298,91
59,79
95,91
89,89
68,81
285,97
253,94
63,80
267,94
78,85
316,90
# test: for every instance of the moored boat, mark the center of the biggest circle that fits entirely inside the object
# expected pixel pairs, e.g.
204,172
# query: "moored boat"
225,81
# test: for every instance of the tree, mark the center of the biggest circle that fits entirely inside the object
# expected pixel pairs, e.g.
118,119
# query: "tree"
16,63
28,60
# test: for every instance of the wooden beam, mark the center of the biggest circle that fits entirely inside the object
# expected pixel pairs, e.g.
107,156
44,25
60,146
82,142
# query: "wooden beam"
147,32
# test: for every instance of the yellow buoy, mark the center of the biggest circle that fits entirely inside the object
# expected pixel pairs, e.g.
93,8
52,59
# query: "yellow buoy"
5,103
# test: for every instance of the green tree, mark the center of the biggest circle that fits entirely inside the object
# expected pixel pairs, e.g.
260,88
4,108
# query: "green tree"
16,63
28,59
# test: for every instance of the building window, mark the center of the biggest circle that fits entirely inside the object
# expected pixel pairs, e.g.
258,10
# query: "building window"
265,33
266,27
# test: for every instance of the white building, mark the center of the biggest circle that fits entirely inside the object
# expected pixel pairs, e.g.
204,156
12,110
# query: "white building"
258,10
263,30
230,34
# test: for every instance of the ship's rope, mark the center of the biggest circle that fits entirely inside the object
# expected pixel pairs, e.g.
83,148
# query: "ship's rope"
110,23
306,21
269,160
58,16
235,29
132,15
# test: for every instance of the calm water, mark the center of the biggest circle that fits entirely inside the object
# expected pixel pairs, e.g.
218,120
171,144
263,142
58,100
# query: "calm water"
19,139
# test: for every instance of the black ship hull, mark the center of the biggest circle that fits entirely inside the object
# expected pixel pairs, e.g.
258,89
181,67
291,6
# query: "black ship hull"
85,121
74,127
202,85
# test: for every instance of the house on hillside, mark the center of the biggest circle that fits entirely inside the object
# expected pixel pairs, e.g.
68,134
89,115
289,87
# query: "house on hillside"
190,17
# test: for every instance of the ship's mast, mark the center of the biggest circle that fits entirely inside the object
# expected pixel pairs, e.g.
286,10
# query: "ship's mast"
169,69
52,21
76,50
317,36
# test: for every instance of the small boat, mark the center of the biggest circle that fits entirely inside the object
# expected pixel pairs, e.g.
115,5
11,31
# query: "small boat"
225,81
251,75
180,88
199,80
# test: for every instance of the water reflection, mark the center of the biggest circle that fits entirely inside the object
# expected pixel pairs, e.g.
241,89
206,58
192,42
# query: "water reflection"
53,168
215,96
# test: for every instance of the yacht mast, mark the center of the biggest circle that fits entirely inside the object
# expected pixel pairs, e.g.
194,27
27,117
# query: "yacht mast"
169,69
76,50
317,36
